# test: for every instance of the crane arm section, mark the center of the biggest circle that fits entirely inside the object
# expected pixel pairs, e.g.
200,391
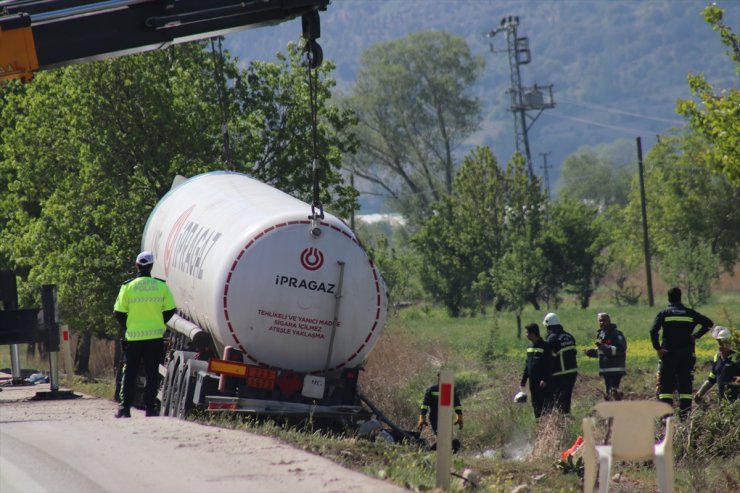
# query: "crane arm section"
44,34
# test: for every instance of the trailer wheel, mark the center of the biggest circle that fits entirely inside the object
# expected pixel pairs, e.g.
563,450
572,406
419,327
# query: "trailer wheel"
176,390
186,391
169,384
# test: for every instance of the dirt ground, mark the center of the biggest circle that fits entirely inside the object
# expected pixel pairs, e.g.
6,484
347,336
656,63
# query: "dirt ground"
76,445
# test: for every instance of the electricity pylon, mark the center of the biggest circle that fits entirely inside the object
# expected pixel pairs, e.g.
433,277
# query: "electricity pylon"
523,99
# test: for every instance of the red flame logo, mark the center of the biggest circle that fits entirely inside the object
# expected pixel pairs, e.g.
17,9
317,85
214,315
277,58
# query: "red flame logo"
312,258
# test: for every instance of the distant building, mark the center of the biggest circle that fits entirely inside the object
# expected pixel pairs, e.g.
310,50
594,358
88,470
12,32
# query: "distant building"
392,219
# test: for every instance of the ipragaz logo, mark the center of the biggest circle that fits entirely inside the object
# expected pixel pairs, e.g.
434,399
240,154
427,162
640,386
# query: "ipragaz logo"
312,258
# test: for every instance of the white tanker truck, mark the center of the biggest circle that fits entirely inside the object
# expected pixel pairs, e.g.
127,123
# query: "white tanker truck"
276,311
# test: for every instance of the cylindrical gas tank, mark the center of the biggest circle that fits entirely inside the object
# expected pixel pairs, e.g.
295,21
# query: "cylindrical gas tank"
242,264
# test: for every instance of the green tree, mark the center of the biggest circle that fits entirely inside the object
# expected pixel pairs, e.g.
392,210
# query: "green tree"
272,133
521,231
513,275
414,102
692,265
717,116
594,179
575,246
460,239
94,147
684,199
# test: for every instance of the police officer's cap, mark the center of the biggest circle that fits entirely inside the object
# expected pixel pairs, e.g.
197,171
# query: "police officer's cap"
145,258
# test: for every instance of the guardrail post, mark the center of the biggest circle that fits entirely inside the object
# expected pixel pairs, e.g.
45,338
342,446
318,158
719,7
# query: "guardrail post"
444,428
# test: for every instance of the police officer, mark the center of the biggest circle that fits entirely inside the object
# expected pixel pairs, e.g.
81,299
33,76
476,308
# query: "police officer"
564,365
676,351
611,349
725,369
430,404
537,369
143,307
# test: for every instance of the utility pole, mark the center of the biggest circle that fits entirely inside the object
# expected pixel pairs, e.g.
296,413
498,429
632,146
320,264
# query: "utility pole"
646,242
544,171
523,99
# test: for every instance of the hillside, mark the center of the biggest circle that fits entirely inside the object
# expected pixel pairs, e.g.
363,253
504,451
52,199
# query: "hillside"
617,66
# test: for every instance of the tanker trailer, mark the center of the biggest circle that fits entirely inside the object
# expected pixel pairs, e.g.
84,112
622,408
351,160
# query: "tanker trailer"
276,310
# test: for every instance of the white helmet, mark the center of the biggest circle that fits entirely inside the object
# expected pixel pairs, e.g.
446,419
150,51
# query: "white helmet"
520,397
551,319
721,333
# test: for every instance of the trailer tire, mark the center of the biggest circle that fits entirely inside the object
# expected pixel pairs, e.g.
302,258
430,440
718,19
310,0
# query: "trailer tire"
175,393
169,385
186,390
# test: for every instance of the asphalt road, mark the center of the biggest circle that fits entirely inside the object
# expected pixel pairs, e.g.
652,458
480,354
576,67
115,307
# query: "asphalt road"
78,446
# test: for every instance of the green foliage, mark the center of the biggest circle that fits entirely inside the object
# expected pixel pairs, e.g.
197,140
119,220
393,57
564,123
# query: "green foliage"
625,292
92,148
575,248
684,199
517,274
414,105
718,117
462,236
272,133
711,434
398,263
496,238
568,466
595,180
691,265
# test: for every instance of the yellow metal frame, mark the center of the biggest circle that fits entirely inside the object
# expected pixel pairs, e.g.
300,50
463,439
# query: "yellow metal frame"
18,58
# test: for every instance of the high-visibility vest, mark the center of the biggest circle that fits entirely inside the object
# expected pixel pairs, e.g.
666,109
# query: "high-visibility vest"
144,299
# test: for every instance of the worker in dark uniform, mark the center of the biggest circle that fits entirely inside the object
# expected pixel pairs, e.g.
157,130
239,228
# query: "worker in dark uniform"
143,307
564,363
537,370
725,369
676,351
611,349
430,405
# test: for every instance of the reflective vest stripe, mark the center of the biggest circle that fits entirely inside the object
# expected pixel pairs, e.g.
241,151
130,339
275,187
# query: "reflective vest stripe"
535,350
679,318
574,370
569,348
559,354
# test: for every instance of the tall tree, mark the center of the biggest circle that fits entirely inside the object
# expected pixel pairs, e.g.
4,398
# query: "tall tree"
717,116
684,199
522,231
414,102
576,248
691,264
594,179
273,137
94,147
460,239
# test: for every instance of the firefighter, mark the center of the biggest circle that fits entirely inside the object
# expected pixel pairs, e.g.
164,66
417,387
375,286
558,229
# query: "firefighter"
430,405
611,349
143,307
537,370
676,351
564,363
725,369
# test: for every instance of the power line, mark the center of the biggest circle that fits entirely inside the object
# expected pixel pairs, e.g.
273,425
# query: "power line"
591,122
620,112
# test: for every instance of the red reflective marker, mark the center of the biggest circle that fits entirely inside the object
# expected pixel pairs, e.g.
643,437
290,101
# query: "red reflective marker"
445,395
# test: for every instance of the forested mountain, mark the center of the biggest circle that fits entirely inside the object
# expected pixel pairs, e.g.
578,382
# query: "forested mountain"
617,66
